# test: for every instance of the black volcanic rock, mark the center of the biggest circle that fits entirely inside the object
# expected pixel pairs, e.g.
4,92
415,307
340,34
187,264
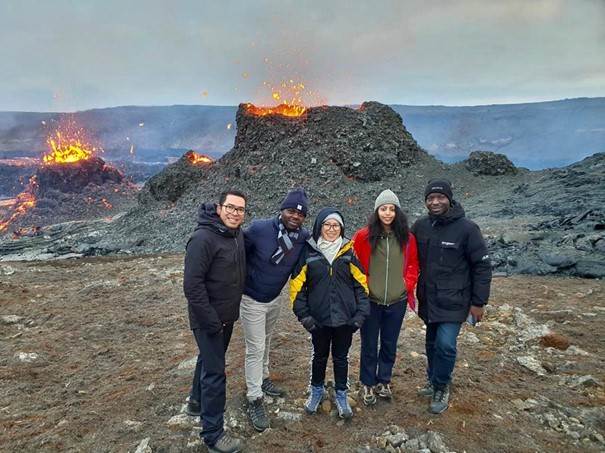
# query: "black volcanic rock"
76,176
489,163
366,144
174,180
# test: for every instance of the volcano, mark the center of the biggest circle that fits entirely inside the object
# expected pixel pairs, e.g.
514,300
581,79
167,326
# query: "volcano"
70,183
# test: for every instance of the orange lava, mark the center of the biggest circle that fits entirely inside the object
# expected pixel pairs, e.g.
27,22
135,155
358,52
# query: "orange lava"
198,159
23,203
68,144
282,109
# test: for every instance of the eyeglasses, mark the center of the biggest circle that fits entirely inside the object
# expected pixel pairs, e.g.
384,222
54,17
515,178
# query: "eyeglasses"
331,226
233,209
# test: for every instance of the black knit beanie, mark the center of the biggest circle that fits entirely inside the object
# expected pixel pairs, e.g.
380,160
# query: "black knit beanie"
296,199
439,186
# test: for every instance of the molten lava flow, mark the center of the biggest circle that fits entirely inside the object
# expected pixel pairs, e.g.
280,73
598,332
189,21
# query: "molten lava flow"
23,203
68,144
198,159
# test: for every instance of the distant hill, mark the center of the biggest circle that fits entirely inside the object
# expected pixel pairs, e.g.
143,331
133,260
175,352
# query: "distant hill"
535,135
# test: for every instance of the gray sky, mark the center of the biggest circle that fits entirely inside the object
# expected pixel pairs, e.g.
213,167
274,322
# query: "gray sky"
62,55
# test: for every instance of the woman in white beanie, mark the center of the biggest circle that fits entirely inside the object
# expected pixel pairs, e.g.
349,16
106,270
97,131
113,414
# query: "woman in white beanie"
388,255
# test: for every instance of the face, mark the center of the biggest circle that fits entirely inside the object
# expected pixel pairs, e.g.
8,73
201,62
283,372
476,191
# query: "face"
330,230
437,203
231,211
386,214
292,218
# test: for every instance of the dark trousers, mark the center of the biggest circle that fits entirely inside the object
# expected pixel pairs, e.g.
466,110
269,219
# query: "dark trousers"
385,321
209,381
339,338
441,350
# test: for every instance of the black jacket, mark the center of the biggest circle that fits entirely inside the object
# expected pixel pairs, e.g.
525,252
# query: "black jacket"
455,270
334,295
215,272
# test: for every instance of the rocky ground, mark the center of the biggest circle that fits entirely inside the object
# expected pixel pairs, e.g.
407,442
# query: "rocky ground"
96,355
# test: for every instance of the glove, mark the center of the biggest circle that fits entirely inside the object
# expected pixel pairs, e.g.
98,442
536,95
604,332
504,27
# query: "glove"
309,323
355,326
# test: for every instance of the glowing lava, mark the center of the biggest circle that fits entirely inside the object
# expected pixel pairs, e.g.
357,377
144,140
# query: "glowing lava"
289,95
198,159
68,145
23,203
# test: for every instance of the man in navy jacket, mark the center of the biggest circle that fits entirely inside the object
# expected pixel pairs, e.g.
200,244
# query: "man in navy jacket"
272,250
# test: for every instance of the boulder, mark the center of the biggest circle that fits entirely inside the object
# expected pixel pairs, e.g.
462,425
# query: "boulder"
489,163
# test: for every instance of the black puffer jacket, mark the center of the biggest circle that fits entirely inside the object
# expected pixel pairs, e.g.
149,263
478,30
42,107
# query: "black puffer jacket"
215,272
455,270
334,295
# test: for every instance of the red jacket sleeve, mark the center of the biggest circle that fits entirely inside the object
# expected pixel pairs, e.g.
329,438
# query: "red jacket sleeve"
412,269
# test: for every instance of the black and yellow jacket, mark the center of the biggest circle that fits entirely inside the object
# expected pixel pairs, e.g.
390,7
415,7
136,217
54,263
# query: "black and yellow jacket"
334,295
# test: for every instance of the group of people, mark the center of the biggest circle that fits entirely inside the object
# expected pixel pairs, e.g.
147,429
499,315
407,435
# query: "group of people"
439,268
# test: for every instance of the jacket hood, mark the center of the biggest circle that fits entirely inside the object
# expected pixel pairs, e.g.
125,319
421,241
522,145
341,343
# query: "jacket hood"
321,216
207,218
455,212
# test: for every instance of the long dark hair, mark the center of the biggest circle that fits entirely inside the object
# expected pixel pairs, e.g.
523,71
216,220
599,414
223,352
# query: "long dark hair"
399,227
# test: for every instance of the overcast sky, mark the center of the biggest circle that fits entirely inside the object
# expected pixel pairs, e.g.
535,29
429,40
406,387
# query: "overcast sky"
63,55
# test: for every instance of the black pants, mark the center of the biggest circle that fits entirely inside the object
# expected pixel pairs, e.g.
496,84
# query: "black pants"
339,338
209,381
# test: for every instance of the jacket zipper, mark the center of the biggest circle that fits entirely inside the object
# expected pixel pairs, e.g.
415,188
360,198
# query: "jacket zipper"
386,275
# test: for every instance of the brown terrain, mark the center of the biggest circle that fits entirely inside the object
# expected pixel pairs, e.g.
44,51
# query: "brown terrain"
95,356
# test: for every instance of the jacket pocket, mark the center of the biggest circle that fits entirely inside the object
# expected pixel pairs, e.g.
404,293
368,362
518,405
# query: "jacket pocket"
449,254
452,294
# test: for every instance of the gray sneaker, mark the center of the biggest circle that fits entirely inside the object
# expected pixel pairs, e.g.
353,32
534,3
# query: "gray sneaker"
383,391
367,395
257,414
427,390
440,401
269,388
227,444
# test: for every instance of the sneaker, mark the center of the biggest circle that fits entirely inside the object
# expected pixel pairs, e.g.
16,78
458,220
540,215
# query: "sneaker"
367,395
257,414
193,407
226,444
427,390
316,396
383,391
440,400
269,388
342,404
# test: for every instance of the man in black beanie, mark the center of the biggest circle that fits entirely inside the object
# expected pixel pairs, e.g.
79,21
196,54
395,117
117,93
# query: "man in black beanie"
454,283
272,250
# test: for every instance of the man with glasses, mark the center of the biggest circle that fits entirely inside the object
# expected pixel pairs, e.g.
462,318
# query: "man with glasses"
272,250
215,272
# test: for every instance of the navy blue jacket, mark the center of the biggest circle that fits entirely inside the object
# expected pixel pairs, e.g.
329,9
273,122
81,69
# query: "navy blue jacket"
265,280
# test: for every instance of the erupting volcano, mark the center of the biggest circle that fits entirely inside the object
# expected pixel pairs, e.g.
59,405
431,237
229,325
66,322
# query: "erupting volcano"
71,182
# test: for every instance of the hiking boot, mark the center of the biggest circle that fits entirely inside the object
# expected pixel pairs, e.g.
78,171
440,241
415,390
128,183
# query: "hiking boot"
427,390
257,414
367,395
269,388
342,404
226,444
193,407
316,396
383,391
440,400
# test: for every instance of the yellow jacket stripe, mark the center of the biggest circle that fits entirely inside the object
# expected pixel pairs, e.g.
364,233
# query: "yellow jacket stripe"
359,276
296,284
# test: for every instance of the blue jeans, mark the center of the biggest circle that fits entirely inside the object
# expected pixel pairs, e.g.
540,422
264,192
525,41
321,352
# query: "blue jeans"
385,322
441,351
210,381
